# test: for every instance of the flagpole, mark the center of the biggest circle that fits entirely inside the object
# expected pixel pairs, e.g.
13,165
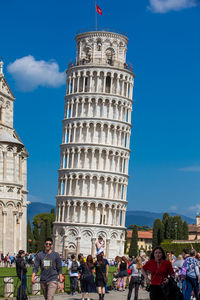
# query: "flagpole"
96,15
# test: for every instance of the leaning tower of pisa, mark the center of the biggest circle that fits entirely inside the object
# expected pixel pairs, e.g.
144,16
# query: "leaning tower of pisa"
95,149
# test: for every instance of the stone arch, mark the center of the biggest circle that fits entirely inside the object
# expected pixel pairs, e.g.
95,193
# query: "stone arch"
102,233
114,235
87,234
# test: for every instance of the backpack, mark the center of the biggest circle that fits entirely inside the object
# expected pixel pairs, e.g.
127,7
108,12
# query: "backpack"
21,293
74,267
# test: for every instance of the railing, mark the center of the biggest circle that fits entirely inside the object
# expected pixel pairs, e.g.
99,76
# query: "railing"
10,284
92,29
126,66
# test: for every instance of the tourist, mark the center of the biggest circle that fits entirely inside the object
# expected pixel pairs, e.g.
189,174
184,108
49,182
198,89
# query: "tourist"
21,268
101,278
136,274
81,259
50,263
123,273
72,267
173,257
86,277
5,261
190,271
100,244
160,268
106,270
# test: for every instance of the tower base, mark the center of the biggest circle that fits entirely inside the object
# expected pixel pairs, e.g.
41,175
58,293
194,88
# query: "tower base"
74,239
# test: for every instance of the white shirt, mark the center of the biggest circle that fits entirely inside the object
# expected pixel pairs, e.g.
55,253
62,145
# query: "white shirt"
135,272
101,249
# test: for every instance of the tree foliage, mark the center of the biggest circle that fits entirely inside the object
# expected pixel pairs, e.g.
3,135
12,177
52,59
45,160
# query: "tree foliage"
29,237
42,229
178,247
185,230
158,232
170,228
133,250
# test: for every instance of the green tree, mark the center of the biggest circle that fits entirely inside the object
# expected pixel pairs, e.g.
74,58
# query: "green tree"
48,229
53,211
42,228
158,232
126,242
29,237
179,227
42,237
36,236
133,251
167,223
185,230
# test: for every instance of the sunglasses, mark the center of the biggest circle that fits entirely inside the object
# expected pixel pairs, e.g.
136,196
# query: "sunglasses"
48,244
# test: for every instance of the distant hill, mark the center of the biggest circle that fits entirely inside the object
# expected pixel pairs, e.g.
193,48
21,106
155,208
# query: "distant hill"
132,216
147,218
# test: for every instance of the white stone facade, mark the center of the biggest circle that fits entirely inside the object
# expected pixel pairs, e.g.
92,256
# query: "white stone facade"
13,177
95,149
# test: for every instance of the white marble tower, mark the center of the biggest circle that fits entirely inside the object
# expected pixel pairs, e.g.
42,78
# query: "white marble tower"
13,177
93,174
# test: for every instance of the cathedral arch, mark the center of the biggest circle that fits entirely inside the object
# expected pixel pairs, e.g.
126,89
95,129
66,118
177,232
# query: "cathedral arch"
102,233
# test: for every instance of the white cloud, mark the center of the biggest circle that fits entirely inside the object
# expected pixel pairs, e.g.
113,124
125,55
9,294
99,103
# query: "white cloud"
195,208
191,169
164,6
29,73
33,198
173,208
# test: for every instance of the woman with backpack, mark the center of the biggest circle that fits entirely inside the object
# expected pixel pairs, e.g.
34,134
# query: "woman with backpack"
86,276
72,267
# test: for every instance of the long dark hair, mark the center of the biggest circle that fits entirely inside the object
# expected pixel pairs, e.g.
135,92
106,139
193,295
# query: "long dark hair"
100,259
19,254
90,261
157,248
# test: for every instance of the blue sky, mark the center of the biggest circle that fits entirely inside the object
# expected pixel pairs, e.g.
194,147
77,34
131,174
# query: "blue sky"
37,42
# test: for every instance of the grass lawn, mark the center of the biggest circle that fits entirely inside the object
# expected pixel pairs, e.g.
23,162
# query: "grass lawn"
11,272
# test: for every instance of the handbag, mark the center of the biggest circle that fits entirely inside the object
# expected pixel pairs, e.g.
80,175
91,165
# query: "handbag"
105,279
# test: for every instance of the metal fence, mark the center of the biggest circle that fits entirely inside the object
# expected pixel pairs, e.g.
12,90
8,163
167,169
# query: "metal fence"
10,284
92,29
126,66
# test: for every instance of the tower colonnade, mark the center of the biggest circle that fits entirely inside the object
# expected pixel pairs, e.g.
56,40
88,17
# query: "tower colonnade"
95,149
99,81
110,159
90,212
97,132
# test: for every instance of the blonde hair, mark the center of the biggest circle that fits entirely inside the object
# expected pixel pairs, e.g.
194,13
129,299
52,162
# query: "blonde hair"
138,262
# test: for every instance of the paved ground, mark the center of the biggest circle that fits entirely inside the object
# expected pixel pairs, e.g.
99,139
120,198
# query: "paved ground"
143,295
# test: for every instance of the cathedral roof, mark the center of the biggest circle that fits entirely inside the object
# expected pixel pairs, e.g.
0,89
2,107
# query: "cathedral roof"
5,89
8,138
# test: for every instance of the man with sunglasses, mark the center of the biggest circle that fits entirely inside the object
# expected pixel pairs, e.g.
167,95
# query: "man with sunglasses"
50,264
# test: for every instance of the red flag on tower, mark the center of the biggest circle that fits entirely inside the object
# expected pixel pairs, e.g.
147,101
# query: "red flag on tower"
98,9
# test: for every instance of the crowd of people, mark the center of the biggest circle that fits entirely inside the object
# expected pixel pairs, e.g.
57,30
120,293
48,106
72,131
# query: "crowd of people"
163,275
8,260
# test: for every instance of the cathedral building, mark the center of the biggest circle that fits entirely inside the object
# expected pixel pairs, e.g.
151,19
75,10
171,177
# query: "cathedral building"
13,176
95,149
